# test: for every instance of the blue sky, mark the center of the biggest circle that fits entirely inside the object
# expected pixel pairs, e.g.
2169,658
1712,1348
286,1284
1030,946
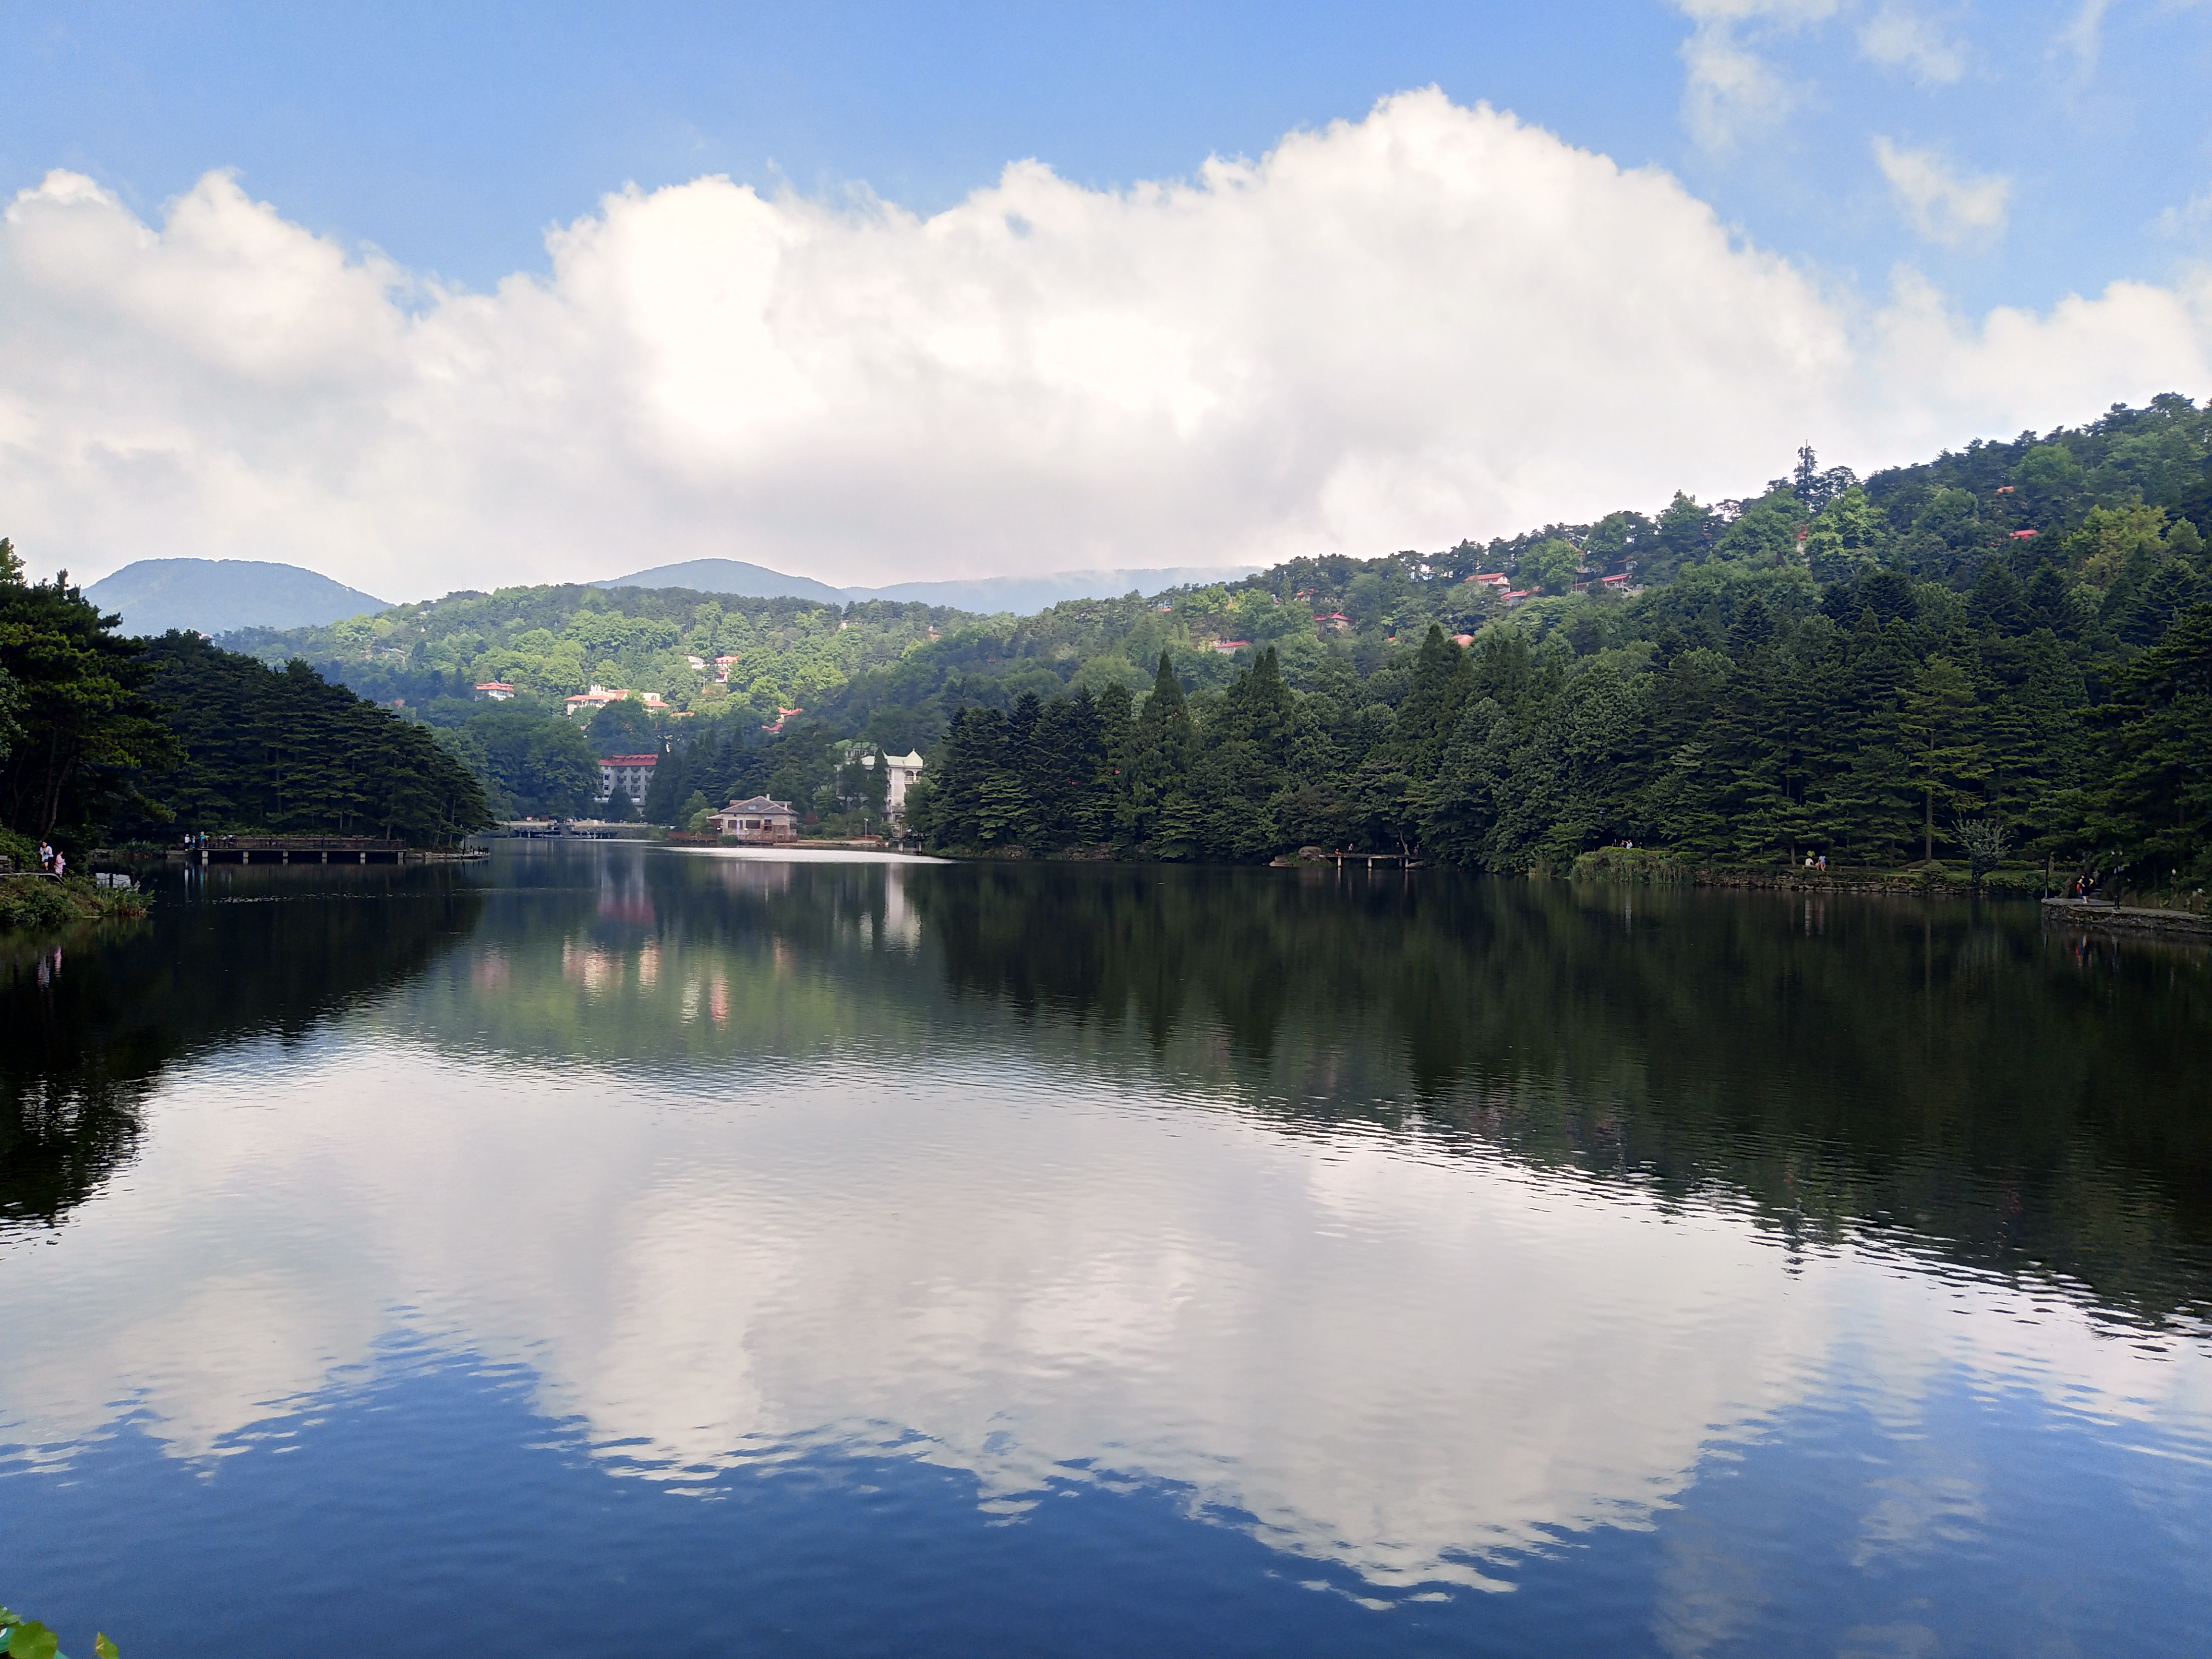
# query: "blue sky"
418,294
452,136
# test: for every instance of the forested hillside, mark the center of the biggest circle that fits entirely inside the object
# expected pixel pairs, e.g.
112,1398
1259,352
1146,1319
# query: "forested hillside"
106,736
2008,636
283,751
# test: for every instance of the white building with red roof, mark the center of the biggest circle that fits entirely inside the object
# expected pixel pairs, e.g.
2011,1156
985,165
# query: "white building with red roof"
631,773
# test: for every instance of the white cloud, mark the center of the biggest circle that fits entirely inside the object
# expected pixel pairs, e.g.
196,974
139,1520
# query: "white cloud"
1944,206
1897,38
1731,90
1411,1369
2190,219
1433,322
2084,37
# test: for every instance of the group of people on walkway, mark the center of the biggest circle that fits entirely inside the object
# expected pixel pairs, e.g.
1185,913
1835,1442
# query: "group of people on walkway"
52,859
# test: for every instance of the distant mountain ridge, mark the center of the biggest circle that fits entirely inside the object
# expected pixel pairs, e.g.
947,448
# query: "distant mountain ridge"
1026,595
223,596
215,596
986,594
732,577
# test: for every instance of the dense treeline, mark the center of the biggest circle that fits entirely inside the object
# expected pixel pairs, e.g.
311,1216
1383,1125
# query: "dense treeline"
284,751
2006,644
1868,722
76,724
104,736
1884,674
1995,638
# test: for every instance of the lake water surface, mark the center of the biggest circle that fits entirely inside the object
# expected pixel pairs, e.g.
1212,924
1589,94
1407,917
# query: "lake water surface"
620,1250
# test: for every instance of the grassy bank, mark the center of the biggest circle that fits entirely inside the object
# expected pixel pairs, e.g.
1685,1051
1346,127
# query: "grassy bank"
31,901
40,903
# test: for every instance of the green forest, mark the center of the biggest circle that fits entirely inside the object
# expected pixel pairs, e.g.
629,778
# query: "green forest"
104,736
2000,652
2004,653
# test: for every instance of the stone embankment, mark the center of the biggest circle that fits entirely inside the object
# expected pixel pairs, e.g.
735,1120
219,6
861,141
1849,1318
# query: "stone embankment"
1900,884
2127,918
1643,866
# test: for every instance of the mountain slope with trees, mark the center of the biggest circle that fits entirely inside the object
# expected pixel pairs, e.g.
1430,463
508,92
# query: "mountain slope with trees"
283,751
103,736
2010,646
2002,648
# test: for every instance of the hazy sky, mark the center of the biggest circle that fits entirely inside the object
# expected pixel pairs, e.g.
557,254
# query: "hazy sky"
427,297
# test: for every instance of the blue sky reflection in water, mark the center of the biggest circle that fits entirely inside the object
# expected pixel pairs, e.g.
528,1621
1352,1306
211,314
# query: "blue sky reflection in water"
743,1257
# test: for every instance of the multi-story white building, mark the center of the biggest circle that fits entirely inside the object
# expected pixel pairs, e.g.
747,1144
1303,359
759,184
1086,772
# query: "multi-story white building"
899,772
631,773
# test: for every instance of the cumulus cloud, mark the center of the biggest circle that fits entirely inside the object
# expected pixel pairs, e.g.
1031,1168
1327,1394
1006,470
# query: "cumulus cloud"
1433,322
1897,38
1944,205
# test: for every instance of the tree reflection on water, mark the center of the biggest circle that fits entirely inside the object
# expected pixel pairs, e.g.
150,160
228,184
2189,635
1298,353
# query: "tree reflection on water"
89,1022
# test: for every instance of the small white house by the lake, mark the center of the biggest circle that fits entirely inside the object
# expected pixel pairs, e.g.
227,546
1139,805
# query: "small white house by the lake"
759,819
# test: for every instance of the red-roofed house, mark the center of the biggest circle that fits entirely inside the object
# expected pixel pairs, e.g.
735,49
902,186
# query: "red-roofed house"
497,690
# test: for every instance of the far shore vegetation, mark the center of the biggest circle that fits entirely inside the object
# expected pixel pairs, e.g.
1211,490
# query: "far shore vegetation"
1994,667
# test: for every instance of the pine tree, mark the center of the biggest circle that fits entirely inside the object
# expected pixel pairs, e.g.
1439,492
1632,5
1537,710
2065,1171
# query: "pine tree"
2154,797
1948,758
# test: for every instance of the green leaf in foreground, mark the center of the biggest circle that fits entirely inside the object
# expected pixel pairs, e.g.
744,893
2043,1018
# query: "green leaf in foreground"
31,1640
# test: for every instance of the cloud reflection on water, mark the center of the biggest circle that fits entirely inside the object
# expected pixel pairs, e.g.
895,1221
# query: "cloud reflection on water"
1410,1362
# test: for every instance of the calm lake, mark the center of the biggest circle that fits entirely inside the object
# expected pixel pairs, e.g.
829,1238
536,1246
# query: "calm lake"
609,1250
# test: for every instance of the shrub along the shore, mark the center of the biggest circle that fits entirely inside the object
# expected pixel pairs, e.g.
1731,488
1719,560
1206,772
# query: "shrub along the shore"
33,900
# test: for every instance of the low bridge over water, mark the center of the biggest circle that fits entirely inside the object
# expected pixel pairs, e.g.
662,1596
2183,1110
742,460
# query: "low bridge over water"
290,850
